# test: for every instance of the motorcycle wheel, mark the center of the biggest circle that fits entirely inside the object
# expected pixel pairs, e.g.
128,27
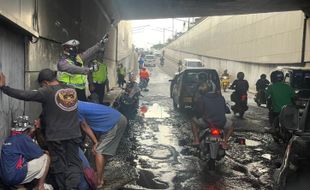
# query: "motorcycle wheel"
211,164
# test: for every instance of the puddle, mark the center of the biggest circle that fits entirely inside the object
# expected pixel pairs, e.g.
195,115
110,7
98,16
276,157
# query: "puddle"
267,156
147,180
249,142
154,111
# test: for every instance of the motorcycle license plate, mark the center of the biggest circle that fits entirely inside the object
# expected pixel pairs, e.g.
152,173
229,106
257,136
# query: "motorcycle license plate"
213,139
187,99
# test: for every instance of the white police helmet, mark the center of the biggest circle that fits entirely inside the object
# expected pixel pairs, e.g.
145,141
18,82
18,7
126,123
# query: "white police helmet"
72,43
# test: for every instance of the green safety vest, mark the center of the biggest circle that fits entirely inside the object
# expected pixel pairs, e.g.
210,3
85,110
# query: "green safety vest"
122,71
100,76
75,80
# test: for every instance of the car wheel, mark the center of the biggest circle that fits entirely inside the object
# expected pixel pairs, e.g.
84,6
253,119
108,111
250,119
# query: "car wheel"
181,106
175,105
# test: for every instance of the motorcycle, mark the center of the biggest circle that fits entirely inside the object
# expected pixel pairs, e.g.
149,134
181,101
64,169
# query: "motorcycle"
143,84
225,82
260,97
128,102
241,103
210,148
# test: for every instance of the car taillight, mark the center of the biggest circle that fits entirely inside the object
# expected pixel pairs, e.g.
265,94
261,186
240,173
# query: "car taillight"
215,132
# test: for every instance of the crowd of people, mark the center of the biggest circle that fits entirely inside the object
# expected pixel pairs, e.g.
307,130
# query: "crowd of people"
64,118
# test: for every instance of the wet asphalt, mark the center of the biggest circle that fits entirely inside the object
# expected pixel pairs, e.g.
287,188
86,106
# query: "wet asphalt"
156,151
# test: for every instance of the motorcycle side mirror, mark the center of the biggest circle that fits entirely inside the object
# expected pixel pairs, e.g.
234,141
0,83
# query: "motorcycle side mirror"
289,118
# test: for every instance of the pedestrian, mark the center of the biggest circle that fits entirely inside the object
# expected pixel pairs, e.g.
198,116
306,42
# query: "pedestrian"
105,126
121,73
73,71
62,130
99,78
22,160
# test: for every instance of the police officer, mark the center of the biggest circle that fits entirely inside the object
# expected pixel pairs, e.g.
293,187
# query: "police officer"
99,77
72,65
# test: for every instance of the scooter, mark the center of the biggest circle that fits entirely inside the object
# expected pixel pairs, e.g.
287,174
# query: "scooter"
241,103
210,148
225,82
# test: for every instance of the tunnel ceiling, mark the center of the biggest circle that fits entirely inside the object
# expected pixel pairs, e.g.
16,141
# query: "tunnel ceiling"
151,9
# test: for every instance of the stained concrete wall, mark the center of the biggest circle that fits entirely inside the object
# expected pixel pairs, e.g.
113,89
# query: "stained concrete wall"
255,43
12,65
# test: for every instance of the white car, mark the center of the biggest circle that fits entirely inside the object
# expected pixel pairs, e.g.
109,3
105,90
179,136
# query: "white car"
149,60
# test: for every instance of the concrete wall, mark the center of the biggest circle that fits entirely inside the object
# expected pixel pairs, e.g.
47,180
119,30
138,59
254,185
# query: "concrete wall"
12,65
258,38
254,44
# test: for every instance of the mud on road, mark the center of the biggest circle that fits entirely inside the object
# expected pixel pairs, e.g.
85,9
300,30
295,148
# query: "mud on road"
157,154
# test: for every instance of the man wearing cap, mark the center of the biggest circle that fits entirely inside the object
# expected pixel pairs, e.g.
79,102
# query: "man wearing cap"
62,130
22,160
72,65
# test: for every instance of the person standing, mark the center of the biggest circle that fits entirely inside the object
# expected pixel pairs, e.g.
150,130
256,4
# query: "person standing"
99,78
121,73
73,71
62,127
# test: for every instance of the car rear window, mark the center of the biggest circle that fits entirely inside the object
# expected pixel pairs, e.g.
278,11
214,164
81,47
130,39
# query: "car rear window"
150,57
301,79
192,76
194,64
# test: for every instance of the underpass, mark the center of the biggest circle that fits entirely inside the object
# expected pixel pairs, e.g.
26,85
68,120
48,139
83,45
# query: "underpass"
31,37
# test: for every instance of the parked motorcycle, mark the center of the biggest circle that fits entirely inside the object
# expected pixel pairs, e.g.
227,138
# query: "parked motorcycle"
128,102
225,82
241,103
210,148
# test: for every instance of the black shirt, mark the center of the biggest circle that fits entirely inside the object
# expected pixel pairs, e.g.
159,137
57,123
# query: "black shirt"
59,104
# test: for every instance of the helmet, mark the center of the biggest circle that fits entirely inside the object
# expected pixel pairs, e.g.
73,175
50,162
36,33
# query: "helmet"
240,75
263,76
21,124
71,48
71,43
202,76
277,76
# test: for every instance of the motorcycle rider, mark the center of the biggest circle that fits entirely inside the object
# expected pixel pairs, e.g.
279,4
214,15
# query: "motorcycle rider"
225,80
144,77
262,83
241,87
162,60
209,108
73,70
281,94
225,74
